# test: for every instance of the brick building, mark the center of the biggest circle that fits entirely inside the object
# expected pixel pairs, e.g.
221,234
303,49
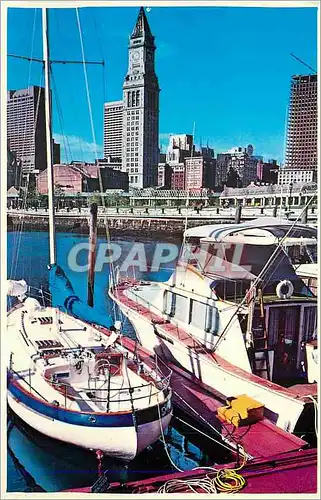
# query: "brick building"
200,170
80,177
178,176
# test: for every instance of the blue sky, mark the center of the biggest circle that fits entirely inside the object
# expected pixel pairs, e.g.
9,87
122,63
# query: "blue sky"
227,69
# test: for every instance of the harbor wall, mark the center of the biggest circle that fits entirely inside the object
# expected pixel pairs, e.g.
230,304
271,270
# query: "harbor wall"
141,226
165,226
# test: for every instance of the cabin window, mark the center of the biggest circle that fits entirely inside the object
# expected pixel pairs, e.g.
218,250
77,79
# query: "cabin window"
62,375
170,303
176,306
198,313
309,324
181,307
203,316
283,325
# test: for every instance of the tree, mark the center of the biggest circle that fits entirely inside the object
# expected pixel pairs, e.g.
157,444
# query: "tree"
233,178
59,195
95,198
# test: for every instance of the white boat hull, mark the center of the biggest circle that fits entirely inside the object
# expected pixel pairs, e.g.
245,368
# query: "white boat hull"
123,442
83,412
282,409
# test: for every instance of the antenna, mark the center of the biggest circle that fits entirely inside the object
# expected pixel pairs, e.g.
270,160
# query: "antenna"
302,62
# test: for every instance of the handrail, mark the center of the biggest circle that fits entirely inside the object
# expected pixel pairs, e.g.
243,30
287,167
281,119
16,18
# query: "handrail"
131,399
61,385
28,383
39,293
164,384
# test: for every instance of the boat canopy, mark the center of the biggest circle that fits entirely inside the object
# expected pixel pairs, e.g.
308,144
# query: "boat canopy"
262,227
64,297
249,239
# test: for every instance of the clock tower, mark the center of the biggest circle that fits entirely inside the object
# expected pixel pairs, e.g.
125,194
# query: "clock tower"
141,108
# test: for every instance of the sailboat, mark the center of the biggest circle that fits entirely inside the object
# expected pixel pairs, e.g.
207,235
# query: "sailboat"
236,315
68,374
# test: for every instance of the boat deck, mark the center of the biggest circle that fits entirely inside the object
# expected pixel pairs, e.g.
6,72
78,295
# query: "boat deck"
76,391
188,340
200,402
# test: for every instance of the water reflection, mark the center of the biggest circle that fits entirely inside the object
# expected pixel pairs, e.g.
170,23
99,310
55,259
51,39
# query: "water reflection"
38,463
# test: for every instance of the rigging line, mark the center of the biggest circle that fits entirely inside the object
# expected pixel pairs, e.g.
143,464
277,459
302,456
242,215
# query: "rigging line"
302,62
86,83
15,255
60,117
230,449
93,132
163,437
35,59
259,277
280,245
284,249
264,270
71,97
25,58
102,57
196,413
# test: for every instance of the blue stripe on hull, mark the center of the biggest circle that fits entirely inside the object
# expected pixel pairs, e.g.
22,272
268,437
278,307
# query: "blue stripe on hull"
67,416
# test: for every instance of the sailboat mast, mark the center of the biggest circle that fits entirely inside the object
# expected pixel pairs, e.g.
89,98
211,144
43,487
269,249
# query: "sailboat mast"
50,172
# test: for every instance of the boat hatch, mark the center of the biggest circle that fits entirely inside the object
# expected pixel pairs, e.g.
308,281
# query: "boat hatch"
48,344
44,320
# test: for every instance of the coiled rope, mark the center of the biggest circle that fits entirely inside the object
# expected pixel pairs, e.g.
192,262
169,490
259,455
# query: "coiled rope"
224,481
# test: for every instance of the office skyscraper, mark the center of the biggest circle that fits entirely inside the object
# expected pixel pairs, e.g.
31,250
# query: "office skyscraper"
26,127
302,126
113,129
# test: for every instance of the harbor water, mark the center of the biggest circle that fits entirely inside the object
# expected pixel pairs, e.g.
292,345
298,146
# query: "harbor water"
37,463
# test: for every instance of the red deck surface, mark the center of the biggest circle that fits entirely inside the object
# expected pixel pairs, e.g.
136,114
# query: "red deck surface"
294,472
280,465
201,402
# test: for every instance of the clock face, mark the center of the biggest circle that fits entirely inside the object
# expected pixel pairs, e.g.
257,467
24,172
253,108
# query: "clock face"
135,56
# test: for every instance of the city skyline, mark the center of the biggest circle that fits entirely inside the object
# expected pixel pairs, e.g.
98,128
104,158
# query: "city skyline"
221,97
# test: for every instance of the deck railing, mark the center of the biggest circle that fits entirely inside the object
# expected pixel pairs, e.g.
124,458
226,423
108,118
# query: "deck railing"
107,395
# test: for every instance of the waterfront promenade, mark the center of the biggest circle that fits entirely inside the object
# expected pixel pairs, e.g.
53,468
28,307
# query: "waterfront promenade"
143,221
151,212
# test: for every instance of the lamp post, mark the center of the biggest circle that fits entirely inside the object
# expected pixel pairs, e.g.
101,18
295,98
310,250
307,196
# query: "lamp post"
290,195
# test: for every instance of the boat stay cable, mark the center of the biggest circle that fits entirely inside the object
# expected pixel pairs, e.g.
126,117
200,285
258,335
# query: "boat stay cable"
18,237
112,269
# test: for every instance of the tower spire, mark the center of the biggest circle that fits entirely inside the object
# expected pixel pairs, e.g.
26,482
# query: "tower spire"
141,28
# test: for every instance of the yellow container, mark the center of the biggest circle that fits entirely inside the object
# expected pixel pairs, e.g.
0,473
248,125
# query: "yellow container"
241,410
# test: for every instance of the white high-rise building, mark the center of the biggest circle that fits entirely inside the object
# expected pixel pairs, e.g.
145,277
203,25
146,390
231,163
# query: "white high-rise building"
140,153
113,129
179,146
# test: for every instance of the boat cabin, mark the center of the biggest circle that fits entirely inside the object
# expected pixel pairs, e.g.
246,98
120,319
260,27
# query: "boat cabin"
280,314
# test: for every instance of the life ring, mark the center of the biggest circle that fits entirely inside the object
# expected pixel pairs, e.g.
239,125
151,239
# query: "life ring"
284,289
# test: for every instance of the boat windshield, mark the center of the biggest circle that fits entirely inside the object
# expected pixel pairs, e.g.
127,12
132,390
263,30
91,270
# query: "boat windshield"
236,263
302,254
